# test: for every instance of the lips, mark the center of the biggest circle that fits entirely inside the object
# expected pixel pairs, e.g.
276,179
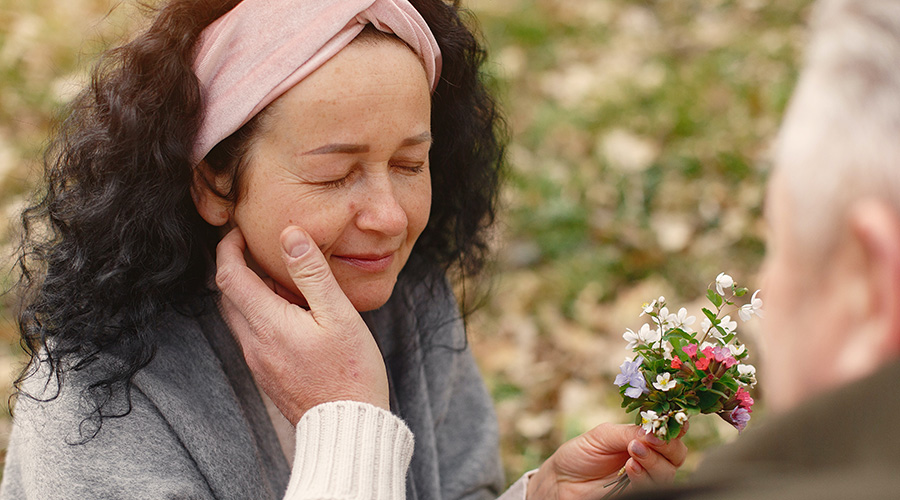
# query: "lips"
374,263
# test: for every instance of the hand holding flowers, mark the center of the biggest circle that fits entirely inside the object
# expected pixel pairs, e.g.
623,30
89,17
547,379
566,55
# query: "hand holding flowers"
677,373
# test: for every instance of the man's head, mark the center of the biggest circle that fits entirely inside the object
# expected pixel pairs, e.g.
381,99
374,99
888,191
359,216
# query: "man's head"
833,265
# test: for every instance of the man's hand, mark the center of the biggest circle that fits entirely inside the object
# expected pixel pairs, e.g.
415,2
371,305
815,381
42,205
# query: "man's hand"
300,358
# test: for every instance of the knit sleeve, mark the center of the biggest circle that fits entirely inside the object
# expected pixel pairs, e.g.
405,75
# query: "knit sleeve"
350,450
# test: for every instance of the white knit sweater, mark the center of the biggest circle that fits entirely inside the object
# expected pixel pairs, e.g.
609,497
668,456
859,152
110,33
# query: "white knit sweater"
356,451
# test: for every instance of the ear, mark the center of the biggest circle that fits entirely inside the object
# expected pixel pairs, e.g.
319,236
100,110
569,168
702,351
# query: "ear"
204,186
875,225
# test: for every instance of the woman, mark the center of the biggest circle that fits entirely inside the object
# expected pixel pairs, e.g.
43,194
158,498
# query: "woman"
306,140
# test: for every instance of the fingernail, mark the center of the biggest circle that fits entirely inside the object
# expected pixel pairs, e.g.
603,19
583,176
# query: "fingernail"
295,244
638,449
636,467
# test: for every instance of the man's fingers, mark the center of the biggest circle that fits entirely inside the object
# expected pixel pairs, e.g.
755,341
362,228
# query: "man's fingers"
608,438
313,277
651,464
247,292
674,451
238,323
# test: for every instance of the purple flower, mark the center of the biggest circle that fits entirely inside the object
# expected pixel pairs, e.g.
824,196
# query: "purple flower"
635,392
631,376
738,418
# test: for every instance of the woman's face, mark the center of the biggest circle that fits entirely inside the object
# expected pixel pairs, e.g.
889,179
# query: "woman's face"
344,155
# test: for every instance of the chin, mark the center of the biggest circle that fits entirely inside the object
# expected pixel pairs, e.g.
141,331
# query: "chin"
369,296
368,301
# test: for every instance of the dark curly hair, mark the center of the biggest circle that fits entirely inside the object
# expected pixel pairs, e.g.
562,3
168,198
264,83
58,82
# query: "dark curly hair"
114,238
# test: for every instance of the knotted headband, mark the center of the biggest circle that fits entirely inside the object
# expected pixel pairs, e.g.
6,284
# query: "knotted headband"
261,48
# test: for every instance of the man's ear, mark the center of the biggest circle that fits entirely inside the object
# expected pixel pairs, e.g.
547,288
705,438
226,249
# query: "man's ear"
205,187
875,225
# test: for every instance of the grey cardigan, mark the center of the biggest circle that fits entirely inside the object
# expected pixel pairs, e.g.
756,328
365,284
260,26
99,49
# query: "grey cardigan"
198,428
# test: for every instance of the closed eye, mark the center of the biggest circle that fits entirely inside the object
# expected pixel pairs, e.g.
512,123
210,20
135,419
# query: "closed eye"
411,169
410,164
336,183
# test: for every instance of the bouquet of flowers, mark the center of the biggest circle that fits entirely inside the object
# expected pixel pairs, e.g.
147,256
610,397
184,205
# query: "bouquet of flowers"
677,373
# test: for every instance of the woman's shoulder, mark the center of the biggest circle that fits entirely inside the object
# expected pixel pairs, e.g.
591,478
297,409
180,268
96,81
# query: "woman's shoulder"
57,449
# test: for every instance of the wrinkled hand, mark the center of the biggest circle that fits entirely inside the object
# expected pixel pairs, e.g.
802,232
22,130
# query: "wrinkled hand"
582,466
300,358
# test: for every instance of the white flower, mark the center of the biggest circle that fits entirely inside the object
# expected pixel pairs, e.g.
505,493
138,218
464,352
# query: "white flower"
681,417
747,371
645,335
663,313
661,432
728,325
649,421
650,335
661,299
681,320
665,319
725,323
632,338
664,382
737,349
667,350
707,344
754,307
723,281
648,308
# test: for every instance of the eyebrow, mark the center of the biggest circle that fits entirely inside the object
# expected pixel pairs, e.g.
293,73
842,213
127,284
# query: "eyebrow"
341,148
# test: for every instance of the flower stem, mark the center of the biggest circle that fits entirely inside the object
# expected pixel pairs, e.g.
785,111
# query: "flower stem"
619,484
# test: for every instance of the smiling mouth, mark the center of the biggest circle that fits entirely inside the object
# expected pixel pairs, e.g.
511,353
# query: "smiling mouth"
370,263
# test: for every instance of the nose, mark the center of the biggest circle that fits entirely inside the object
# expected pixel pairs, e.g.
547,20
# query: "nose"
381,210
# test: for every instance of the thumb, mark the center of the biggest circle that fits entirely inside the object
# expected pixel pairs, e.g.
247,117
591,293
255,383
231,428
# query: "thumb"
611,438
312,276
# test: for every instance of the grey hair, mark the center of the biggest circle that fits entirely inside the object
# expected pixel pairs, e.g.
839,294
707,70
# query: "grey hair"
840,140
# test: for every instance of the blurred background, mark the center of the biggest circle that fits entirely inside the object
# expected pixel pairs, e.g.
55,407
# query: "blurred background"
640,131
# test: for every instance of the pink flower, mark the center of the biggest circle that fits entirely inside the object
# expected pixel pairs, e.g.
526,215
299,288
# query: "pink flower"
723,355
690,350
744,399
720,353
676,363
708,352
702,363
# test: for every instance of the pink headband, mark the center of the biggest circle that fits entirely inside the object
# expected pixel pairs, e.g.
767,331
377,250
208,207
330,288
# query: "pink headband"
262,48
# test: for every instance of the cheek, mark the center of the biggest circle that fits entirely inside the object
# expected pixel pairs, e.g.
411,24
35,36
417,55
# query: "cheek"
419,207
263,215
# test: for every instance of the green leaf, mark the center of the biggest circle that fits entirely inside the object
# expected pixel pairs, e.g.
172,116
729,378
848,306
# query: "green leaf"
679,334
673,429
714,297
692,400
728,381
634,405
712,317
707,400
719,390
740,292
